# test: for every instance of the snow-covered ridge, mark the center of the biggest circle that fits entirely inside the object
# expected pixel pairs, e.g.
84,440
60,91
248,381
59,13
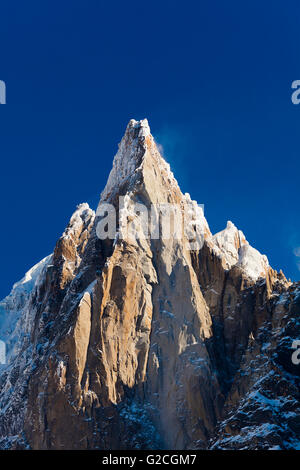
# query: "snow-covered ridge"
13,309
252,262
232,246
23,288
229,241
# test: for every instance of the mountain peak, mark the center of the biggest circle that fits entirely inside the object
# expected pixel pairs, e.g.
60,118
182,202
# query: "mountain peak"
150,339
139,128
132,148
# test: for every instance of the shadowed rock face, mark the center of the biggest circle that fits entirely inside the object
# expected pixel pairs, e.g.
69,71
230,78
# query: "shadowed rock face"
147,344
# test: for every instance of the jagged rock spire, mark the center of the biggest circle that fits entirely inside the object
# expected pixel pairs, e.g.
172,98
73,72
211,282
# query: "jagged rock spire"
129,156
140,344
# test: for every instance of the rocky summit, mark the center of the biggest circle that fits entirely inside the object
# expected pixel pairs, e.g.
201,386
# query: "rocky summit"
150,342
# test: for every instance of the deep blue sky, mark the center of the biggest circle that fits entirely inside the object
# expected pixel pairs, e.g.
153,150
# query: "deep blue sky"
214,80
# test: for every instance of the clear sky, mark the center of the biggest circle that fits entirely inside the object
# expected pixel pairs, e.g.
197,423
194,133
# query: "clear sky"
212,77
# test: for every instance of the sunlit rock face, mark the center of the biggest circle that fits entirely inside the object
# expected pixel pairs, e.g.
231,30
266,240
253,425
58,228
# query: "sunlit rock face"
150,342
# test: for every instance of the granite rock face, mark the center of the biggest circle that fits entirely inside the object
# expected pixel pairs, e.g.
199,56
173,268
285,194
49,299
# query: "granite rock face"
150,342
